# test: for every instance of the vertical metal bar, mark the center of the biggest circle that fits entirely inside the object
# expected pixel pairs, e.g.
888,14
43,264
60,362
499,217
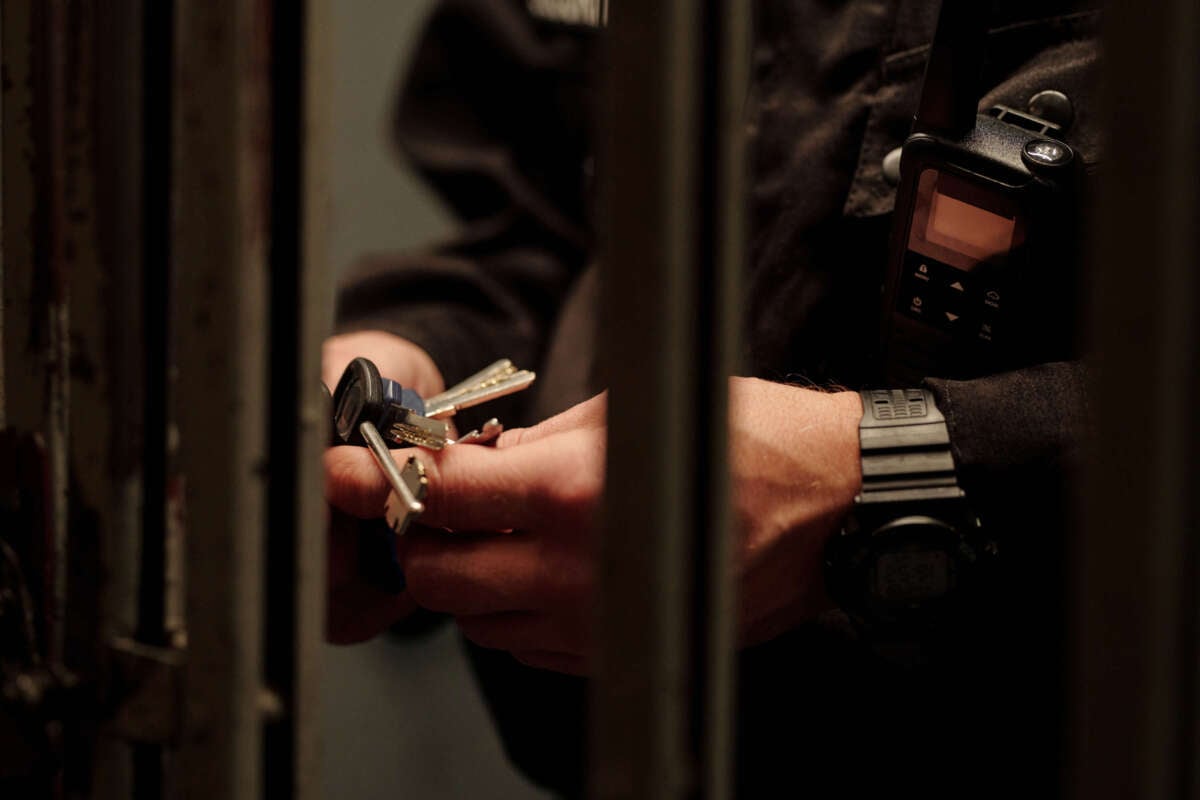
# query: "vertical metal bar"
50,293
727,68
4,100
287,54
661,700
24,391
112,309
71,254
92,520
1135,699
315,325
153,295
221,211
301,313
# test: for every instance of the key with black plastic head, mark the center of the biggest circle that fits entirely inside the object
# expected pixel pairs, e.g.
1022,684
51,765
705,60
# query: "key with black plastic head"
362,395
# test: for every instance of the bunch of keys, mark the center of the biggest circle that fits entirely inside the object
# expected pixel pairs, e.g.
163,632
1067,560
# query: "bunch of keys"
372,411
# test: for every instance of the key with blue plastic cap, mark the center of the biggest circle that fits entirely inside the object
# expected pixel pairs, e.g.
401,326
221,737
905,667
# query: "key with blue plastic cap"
362,395
404,417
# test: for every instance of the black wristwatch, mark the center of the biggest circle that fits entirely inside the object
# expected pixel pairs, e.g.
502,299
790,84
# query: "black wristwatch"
912,559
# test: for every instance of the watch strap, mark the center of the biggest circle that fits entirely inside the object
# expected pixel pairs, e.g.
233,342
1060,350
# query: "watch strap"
905,447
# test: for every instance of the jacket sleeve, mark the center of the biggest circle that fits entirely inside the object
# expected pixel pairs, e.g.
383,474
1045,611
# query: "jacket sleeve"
494,114
1018,438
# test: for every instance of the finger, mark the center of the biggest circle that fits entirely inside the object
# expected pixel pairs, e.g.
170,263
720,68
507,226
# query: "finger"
553,481
591,413
558,478
522,631
554,662
354,483
355,611
474,575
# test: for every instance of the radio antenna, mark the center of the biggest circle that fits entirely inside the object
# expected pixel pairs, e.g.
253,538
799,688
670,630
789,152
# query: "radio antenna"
950,95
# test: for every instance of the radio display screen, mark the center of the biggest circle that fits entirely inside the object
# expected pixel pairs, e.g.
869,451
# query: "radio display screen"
968,229
963,224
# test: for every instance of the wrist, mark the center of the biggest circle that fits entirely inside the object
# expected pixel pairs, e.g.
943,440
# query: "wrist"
845,417
796,472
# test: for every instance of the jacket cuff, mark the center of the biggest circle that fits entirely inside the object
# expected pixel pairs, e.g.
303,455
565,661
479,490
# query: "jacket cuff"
1018,426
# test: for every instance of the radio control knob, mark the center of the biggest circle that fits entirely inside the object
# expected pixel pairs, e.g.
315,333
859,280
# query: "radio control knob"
1046,154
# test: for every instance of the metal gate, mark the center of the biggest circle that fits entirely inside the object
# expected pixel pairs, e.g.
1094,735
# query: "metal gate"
164,299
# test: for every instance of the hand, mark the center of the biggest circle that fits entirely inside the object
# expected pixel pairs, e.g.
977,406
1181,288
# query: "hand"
397,359
795,471
356,610
476,498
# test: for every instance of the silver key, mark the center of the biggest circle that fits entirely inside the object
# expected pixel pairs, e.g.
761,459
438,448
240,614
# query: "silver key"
491,388
488,434
497,370
406,500
398,513
421,431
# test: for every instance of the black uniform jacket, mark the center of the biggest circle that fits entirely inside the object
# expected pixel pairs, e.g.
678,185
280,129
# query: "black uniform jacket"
497,113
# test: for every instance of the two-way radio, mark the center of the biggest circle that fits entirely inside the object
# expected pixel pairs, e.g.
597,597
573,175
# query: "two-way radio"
981,273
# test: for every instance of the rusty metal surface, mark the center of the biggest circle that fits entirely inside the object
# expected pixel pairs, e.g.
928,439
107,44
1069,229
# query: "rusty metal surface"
148,689
65,319
221,159
36,357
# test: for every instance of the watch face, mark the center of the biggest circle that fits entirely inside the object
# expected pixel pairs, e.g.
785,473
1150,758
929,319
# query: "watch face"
910,575
915,576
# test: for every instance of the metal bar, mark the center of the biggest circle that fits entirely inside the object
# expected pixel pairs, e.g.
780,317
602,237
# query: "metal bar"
155,296
661,700
4,101
221,163
155,56
315,325
301,318
50,293
24,391
101,84
728,74
1135,691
